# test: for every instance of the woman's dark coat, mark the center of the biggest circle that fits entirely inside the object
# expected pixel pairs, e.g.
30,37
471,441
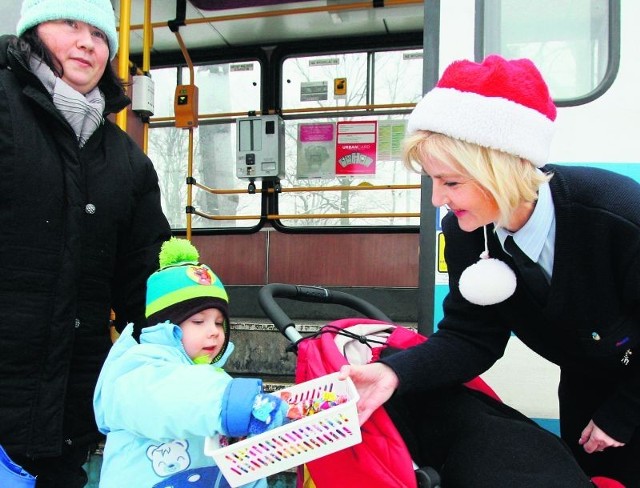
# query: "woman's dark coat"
589,326
63,267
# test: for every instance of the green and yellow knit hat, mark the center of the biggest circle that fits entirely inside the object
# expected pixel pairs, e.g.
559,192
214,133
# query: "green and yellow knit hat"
183,287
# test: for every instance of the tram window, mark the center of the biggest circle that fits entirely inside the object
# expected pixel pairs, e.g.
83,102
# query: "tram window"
384,77
567,39
363,206
309,81
213,166
398,76
376,81
222,89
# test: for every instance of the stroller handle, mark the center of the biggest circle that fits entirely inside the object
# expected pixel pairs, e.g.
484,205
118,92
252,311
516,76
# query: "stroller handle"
305,293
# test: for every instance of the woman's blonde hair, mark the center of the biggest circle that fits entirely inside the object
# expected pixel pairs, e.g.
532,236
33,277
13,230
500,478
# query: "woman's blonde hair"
509,180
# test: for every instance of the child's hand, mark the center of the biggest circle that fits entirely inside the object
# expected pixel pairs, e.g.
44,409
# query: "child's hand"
268,412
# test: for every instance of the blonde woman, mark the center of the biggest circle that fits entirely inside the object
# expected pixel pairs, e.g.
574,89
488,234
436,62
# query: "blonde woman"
548,253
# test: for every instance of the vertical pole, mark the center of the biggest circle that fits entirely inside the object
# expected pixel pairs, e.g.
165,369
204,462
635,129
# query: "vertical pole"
123,54
147,38
190,185
187,58
427,241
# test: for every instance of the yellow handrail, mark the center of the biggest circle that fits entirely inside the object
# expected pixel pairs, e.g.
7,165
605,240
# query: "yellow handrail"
351,108
187,58
294,11
299,189
123,54
308,216
147,42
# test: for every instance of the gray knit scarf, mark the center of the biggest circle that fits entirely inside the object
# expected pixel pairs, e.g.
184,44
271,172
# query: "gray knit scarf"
83,112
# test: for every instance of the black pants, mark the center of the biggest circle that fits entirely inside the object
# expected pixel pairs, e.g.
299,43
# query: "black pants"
64,471
475,441
580,396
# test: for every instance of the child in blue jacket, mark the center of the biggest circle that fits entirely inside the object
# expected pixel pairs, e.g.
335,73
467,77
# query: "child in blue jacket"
162,389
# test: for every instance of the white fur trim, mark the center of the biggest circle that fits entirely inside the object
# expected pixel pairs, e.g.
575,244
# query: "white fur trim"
492,122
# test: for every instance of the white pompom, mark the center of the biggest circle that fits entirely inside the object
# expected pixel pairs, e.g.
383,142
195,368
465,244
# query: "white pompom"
487,282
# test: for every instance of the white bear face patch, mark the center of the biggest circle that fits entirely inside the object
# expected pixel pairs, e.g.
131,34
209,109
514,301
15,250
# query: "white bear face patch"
169,458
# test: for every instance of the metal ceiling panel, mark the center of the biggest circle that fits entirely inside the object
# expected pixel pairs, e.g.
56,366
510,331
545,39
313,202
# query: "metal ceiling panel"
259,25
234,27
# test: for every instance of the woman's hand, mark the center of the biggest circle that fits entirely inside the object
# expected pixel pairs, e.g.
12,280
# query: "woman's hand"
375,383
595,440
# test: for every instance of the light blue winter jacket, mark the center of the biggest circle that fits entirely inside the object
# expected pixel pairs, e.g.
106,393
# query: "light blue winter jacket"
156,407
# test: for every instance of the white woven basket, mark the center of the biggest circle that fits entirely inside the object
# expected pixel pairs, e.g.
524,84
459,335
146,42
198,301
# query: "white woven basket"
297,442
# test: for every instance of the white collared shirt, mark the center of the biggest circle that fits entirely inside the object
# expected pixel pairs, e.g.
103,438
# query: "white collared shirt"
537,237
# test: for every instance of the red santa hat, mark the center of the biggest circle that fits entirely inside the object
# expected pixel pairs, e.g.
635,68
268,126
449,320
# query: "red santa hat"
501,104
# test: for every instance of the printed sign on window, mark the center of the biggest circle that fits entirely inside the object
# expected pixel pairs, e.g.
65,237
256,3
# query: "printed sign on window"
316,150
356,148
313,91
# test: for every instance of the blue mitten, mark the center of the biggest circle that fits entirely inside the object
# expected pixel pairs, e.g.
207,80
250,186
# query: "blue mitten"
269,412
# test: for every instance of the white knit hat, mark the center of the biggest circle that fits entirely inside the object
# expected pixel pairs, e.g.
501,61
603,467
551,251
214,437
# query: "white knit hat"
98,13
500,104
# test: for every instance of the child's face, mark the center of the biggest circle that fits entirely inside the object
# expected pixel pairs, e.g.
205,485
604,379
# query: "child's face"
203,333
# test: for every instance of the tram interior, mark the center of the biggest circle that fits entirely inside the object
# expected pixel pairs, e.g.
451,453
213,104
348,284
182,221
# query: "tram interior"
219,25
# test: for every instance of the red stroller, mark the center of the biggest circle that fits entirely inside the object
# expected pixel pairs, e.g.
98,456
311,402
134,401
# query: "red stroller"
382,447
382,459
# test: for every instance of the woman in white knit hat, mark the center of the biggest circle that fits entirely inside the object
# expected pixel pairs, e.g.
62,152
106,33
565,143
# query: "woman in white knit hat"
549,253
81,226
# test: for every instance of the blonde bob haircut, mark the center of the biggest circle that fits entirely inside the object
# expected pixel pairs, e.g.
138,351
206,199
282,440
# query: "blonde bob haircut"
508,179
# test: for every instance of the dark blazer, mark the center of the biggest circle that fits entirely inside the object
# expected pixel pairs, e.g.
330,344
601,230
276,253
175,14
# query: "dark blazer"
63,267
591,319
